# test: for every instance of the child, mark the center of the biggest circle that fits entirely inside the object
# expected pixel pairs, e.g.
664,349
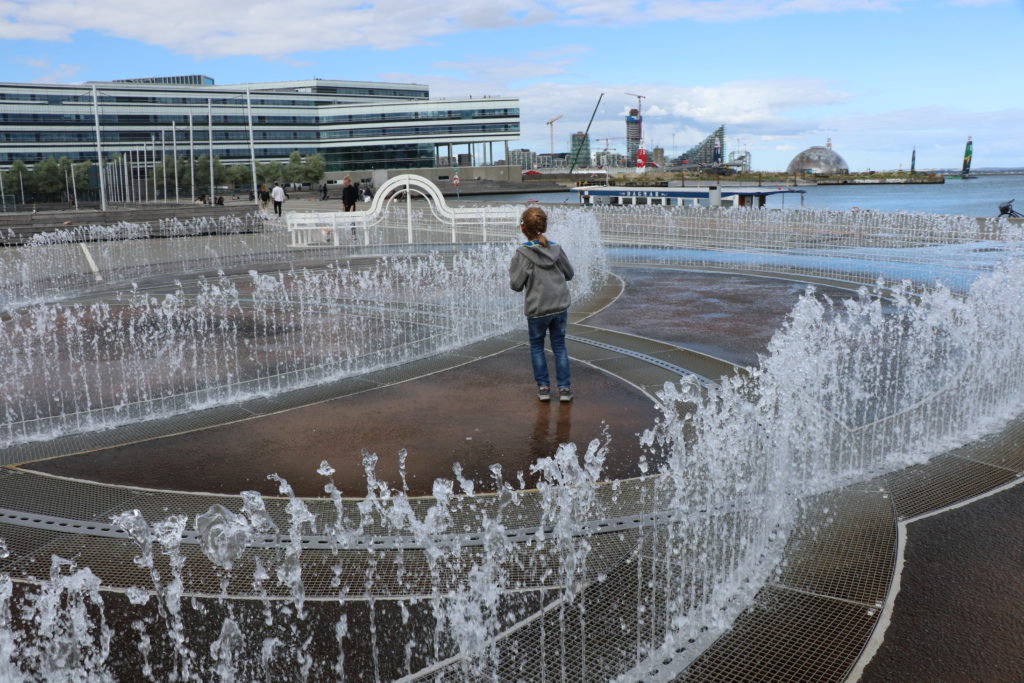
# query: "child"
542,268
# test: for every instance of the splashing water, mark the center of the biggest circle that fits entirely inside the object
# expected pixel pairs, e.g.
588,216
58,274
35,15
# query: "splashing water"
460,584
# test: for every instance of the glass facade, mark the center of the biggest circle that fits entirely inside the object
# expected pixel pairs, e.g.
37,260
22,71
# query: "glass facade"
354,125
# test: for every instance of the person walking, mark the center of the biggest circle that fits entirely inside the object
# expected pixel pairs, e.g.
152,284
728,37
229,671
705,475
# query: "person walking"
349,194
542,268
264,197
277,194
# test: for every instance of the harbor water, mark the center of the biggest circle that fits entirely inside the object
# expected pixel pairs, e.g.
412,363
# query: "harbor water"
980,196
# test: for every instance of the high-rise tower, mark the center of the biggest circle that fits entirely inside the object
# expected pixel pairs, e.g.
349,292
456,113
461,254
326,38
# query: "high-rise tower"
580,143
634,134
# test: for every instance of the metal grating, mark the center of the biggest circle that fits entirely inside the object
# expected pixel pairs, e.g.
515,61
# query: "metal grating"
41,494
843,546
699,363
637,371
941,482
787,636
581,350
804,627
624,340
1004,449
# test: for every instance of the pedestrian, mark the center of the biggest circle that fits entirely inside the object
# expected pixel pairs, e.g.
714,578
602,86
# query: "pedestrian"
278,195
542,268
349,194
323,192
264,197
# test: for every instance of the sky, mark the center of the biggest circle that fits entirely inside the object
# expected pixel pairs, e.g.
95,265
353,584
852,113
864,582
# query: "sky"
878,77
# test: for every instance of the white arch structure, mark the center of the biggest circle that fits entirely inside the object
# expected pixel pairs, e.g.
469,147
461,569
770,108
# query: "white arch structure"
392,219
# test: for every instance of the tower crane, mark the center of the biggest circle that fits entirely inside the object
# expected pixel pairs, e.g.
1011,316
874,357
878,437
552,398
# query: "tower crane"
639,102
607,140
551,127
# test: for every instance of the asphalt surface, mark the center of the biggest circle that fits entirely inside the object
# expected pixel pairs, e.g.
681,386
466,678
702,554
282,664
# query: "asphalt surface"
959,615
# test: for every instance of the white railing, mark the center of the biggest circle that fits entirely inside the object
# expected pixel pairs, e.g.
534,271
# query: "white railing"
393,219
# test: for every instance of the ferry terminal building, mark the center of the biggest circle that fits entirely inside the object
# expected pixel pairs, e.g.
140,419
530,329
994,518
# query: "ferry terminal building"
354,125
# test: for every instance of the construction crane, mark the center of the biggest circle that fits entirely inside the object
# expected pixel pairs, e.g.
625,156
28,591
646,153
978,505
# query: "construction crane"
639,102
607,140
551,127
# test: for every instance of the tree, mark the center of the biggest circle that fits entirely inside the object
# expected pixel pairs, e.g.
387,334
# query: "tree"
275,173
315,167
220,172
184,174
294,172
81,171
239,175
203,173
47,181
263,174
64,165
16,178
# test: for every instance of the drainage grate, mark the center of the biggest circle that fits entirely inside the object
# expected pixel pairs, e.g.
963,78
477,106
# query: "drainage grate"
843,546
787,636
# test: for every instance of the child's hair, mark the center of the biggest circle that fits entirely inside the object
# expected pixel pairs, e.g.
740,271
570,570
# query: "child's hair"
534,223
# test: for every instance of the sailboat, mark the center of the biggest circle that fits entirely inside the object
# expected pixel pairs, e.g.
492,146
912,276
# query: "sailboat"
965,172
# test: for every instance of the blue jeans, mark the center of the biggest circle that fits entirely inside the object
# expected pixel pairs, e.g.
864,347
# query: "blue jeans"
539,328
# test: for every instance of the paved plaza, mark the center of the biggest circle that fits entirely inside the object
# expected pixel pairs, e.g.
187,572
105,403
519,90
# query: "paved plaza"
957,615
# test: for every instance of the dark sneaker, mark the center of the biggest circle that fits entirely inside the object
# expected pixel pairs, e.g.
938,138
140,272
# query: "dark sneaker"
544,394
564,394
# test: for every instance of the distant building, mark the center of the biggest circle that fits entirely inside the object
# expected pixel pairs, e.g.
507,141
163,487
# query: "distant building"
354,125
522,157
634,134
709,152
818,160
580,143
556,160
658,157
195,79
607,159
740,161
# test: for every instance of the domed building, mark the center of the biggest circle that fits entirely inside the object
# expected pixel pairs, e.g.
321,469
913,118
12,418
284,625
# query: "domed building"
818,160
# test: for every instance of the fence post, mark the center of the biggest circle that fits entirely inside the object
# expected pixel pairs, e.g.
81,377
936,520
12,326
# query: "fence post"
408,209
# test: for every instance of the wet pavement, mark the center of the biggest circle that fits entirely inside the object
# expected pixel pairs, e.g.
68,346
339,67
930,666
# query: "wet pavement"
477,415
732,317
959,615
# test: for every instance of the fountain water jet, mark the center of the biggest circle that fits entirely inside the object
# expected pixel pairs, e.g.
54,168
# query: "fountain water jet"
460,584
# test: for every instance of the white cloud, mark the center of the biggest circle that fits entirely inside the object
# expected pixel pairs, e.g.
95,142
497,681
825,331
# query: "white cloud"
51,73
616,12
976,3
263,28
673,116
502,70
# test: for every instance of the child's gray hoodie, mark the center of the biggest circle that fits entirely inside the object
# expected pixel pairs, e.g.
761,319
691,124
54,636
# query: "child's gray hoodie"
543,271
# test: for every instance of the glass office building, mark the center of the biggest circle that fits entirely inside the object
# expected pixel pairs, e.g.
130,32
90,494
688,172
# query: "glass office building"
353,125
